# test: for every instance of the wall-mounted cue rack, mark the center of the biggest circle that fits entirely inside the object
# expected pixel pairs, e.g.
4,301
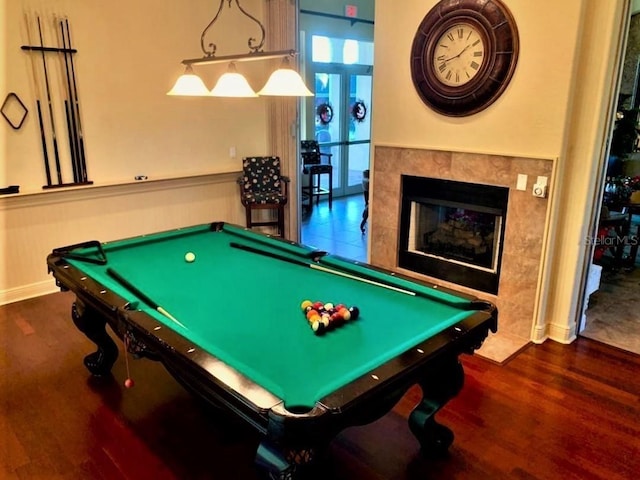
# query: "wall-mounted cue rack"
60,89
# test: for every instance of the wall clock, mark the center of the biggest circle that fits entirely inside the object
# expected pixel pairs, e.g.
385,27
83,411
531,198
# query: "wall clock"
464,55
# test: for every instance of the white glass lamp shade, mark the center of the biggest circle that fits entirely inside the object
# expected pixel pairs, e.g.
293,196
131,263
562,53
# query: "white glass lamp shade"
285,82
189,85
232,84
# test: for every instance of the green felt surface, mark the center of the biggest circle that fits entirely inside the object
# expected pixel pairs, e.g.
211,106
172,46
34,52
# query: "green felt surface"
244,308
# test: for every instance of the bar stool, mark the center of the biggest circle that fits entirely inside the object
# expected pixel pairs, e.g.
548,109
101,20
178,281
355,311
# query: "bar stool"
365,192
313,165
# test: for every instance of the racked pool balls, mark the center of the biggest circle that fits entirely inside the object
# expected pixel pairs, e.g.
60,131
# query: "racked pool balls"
324,317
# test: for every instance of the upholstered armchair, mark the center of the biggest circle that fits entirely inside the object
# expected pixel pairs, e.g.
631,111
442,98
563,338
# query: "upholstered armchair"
263,187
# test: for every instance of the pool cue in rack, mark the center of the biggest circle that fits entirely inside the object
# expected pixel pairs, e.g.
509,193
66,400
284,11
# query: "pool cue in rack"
48,132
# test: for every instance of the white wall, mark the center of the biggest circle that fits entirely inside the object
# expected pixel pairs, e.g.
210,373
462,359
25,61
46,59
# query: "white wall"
33,225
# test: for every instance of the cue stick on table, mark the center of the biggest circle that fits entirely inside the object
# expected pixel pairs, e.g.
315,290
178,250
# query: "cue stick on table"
314,255
143,297
319,267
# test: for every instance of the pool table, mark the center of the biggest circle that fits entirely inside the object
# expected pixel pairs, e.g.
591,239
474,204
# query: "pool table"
230,328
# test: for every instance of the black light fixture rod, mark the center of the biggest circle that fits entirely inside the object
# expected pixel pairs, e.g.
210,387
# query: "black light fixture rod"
34,48
247,57
353,20
254,45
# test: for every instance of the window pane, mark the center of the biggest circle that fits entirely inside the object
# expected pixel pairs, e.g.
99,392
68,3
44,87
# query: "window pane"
350,52
340,50
321,49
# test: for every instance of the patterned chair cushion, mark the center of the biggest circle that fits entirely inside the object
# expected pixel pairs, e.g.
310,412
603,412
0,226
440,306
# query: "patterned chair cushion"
310,151
261,180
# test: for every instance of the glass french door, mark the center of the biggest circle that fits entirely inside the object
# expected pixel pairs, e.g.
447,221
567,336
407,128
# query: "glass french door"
340,120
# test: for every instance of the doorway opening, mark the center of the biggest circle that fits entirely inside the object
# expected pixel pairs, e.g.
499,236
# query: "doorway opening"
338,54
612,295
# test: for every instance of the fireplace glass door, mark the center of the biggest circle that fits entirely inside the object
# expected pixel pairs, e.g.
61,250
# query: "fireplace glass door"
453,231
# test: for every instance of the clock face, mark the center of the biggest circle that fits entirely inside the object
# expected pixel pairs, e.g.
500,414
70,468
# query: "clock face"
458,55
463,55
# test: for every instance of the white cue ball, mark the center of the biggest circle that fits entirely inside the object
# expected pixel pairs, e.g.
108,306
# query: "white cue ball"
190,257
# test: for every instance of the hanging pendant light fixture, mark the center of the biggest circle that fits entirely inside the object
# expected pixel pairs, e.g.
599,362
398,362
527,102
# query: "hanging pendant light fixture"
189,85
232,84
287,81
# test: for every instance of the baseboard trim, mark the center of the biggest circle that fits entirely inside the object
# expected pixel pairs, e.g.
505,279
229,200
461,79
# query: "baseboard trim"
562,333
27,291
539,334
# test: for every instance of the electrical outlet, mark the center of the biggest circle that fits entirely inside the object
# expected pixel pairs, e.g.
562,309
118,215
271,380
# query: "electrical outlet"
539,190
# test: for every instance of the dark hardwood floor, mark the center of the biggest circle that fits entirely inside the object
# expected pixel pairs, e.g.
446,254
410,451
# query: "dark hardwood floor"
553,412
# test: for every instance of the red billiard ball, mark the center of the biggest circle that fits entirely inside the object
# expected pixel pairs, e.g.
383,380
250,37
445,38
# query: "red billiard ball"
128,383
337,319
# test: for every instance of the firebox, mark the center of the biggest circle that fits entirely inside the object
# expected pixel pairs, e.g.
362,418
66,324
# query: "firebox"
453,231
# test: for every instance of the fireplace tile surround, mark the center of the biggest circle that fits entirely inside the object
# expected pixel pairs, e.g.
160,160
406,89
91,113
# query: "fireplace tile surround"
524,234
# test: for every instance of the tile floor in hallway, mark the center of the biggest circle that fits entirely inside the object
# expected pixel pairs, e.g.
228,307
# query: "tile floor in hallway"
613,314
337,231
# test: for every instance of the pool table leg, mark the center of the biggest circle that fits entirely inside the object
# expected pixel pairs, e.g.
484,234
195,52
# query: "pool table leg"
93,326
282,463
439,386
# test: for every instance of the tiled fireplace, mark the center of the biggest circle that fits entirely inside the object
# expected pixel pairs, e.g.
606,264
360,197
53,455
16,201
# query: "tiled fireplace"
499,233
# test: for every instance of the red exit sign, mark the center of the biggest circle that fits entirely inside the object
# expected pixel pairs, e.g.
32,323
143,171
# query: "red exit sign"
351,11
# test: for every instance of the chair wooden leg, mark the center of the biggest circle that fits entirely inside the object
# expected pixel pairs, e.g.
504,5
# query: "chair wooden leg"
281,221
248,214
330,187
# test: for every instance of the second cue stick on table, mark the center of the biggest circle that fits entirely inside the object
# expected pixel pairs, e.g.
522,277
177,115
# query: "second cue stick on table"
129,286
321,268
